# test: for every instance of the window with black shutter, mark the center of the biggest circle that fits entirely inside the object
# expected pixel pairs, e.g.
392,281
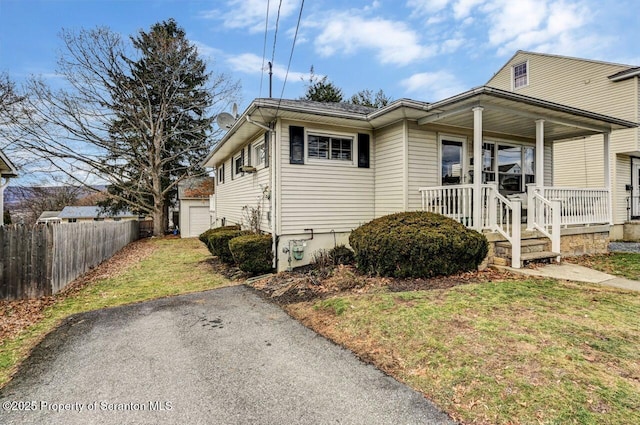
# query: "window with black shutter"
296,145
363,150
266,149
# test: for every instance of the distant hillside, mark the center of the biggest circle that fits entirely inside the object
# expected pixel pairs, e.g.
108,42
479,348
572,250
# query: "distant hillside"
13,195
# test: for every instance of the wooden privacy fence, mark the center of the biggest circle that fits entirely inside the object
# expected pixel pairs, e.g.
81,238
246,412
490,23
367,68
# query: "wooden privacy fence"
43,259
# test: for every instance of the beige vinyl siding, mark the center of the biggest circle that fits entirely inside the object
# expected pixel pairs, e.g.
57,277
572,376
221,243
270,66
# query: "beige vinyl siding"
579,163
549,165
574,82
389,170
422,161
327,195
621,177
242,190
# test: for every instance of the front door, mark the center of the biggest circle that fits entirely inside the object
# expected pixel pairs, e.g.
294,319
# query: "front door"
635,188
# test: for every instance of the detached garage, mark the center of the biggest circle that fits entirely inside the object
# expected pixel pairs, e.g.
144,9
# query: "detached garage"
193,195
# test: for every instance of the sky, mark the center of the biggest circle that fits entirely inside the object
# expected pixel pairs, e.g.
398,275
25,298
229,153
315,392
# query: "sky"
419,49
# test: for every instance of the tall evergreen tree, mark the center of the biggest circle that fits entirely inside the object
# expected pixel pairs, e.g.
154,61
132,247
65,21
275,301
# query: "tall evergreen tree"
321,89
135,114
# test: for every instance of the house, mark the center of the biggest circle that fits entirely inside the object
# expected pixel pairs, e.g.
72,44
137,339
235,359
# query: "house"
605,88
49,217
193,196
315,171
7,171
92,213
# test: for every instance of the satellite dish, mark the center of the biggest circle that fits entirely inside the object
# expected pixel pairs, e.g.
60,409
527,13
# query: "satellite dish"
235,110
225,120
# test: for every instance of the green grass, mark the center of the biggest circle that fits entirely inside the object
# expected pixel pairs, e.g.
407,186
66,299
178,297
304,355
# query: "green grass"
623,264
176,266
524,352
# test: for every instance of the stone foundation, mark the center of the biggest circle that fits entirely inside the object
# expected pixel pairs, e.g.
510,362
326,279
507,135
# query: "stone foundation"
586,243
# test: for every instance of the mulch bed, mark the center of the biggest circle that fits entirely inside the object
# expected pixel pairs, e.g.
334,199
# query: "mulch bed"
308,283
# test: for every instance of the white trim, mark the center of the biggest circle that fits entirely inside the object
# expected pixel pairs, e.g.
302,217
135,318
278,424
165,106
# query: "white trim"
329,161
513,75
464,159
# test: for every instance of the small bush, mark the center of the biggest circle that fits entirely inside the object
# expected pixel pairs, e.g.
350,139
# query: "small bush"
342,255
417,244
252,253
204,236
219,243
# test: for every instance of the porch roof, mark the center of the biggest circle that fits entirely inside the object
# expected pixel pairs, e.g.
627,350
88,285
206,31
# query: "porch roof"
511,114
7,169
505,113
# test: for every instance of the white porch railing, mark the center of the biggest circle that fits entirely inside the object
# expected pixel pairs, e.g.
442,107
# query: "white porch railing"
504,217
452,201
581,206
544,215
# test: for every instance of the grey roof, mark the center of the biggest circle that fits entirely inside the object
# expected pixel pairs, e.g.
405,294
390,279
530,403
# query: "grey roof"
326,106
6,167
49,214
624,74
91,212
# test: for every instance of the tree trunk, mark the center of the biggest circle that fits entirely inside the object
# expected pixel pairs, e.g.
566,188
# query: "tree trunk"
159,219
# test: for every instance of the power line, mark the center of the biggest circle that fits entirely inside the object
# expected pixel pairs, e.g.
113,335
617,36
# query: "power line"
264,48
293,45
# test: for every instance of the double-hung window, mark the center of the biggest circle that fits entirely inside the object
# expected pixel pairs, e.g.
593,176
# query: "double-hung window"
521,75
330,147
259,152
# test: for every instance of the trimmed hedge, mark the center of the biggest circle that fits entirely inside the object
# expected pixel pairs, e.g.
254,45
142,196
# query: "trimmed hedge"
417,244
219,243
204,236
252,253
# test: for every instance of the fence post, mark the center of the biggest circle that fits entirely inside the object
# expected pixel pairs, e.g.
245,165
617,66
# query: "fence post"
556,205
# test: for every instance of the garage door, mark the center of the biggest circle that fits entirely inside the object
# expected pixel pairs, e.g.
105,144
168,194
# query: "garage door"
198,220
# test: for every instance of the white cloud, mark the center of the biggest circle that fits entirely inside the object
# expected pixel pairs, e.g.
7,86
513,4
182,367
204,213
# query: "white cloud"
251,14
433,86
393,41
427,7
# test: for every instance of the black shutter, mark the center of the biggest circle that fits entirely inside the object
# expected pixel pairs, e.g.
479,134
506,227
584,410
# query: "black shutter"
266,148
363,150
249,155
233,167
296,145
242,159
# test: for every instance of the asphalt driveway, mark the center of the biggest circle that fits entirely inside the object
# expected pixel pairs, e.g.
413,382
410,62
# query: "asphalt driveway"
219,357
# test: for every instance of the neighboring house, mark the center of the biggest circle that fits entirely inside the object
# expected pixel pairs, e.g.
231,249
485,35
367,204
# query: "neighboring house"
319,170
194,195
7,171
88,214
49,217
602,87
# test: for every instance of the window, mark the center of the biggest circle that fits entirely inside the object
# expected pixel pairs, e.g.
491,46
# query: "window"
260,153
221,173
98,219
451,171
73,220
328,147
512,166
237,165
520,75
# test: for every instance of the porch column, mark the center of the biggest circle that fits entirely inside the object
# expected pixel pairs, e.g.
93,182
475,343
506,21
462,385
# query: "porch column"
607,173
539,154
477,167
3,186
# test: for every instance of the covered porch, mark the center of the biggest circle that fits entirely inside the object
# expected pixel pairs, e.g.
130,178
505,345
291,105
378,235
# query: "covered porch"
501,181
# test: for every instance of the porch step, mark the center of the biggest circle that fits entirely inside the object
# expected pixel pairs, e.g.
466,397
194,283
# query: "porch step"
532,251
538,256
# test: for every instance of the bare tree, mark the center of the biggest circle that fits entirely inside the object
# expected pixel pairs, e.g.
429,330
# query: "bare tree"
134,113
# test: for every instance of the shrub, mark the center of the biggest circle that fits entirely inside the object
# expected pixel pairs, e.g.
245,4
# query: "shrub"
341,255
204,236
417,244
219,243
252,253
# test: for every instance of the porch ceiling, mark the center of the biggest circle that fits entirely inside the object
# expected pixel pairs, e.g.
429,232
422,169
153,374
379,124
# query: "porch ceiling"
510,114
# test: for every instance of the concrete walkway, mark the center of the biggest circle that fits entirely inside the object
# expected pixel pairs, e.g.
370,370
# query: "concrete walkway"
576,273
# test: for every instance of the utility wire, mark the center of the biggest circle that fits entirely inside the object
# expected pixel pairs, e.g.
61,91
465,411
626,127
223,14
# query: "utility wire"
293,45
264,48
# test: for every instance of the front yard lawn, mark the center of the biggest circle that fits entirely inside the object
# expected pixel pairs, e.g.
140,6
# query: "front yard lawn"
499,352
623,264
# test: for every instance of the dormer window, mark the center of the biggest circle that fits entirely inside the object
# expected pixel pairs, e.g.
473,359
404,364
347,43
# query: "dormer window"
521,75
